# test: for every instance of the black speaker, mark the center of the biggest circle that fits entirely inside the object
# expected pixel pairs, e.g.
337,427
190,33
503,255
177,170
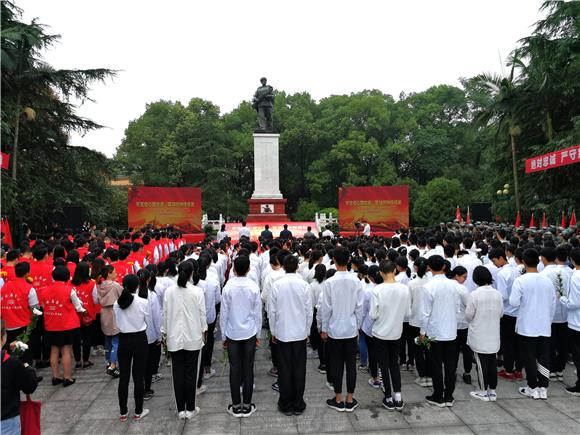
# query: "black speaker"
481,211
71,217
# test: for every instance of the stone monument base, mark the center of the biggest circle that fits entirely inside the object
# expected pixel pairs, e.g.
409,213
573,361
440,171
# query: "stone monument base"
267,210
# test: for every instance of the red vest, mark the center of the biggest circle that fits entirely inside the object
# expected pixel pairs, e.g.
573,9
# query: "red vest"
85,294
71,268
59,311
41,273
15,308
8,273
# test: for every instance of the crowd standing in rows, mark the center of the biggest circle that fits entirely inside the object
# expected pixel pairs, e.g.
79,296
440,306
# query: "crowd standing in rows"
505,299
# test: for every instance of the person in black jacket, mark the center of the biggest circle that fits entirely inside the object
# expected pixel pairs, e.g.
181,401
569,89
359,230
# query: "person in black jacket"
266,234
16,377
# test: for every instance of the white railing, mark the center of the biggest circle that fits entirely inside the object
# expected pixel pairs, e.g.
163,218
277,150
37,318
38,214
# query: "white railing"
322,220
216,224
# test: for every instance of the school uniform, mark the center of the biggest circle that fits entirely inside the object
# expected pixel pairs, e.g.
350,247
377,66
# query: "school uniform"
240,325
421,354
512,355
211,292
132,324
341,314
572,304
290,314
462,325
82,345
61,320
367,331
154,321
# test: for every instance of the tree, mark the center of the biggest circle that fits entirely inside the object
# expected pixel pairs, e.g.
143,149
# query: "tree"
437,201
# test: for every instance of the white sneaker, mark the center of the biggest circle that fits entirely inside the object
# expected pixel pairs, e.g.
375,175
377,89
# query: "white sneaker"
480,395
422,382
141,416
190,414
181,415
374,384
429,382
330,386
156,377
200,390
492,395
209,374
543,393
534,393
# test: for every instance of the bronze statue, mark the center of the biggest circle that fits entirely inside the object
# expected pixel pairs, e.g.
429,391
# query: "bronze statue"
263,102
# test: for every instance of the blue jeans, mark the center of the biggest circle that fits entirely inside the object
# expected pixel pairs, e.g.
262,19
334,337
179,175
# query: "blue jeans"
11,426
362,348
111,348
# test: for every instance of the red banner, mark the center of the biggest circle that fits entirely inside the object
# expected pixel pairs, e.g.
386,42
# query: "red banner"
162,206
5,228
385,208
554,159
297,228
5,160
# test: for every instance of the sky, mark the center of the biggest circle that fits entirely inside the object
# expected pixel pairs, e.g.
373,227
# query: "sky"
217,50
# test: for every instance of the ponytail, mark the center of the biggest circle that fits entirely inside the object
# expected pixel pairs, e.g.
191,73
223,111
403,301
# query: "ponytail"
144,276
185,272
421,265
130,285
153,280
319,273
314,257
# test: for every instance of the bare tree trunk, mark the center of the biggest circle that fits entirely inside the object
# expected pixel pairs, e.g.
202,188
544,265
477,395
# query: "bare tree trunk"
515,170
549,127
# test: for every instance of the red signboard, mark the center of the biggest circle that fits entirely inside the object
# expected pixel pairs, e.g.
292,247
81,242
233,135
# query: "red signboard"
297,228
4,160
554,159
162,206
385,208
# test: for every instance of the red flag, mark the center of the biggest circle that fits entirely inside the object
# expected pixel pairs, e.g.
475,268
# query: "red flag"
563,220
467,217
532,223
5,226
544,221
5,160
573,218
458,214
518,220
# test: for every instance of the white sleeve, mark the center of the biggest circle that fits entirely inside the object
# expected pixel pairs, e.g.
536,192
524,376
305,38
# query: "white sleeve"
76,301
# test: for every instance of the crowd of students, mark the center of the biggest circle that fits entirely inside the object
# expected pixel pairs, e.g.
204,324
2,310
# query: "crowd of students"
506,300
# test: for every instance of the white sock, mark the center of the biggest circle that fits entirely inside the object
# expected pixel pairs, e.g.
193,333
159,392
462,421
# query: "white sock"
397,397
389,399
491,391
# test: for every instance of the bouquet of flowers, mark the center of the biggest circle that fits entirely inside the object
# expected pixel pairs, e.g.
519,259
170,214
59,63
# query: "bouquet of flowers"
423,340
224,360
522,269
559,284
24,338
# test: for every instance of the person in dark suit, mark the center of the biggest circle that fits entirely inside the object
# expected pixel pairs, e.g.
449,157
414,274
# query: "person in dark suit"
286,234
266,234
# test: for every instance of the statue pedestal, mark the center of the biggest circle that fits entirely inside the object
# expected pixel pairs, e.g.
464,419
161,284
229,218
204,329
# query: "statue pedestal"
266,203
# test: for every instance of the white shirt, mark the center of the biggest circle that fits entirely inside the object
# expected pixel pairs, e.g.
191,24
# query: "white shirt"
241,310
553,272
367,230
211,293
184,320
470,263
162,283
572,301
132,318
341,309
154,318
315,291
290,308
493,270
244,232
273,276
221,235
328,233
505,280
534,294
483,311
461,305
439,309
390,302
416,293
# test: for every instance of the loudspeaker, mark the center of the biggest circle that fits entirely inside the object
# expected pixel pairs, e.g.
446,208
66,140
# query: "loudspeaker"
481,211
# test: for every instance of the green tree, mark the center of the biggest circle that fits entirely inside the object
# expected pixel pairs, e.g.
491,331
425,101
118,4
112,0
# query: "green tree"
437,201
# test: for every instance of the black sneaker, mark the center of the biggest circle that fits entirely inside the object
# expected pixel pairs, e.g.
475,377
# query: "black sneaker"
467,378
399,405
148,394
248,410
275,387
322,369
56,381
333,404
389,404
574,391
435,401
235,411
298,411
449,401
286,412
350,406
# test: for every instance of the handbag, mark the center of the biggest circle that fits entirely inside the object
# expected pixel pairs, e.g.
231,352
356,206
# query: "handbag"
30,416
85,318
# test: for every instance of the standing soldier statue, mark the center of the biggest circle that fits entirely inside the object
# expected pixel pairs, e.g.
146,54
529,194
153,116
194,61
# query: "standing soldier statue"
263,102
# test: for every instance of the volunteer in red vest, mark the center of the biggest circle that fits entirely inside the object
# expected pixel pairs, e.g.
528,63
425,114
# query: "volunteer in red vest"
41,274
18,298
61,321
8,268
86,290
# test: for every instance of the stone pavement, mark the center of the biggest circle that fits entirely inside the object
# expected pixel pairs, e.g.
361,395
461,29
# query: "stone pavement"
90,407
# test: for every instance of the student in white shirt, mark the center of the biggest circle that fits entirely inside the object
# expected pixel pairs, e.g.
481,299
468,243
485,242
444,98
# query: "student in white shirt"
341,314
315,292
534,294
366,329
439,322
390,303
572,303
185,325
406,345
483,312
459,274
222,233
131,314
366,229
241,325
147,282
290,314
244,231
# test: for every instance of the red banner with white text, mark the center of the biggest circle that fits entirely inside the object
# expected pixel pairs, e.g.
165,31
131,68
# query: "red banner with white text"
385,208
554,159
179,207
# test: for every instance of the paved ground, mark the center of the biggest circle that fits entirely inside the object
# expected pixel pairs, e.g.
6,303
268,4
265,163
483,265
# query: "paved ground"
90,407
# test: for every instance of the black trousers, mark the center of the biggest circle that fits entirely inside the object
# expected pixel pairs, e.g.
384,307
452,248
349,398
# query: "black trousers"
39,345
465,351
388,351
559,347
536,352
98,336
575,349
341,353
206,352
372,352
274,352
292,375
241,354
132,359
486,364
83,340
443,357
315,340
407,345
153,358
421,354
184,365
510,343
